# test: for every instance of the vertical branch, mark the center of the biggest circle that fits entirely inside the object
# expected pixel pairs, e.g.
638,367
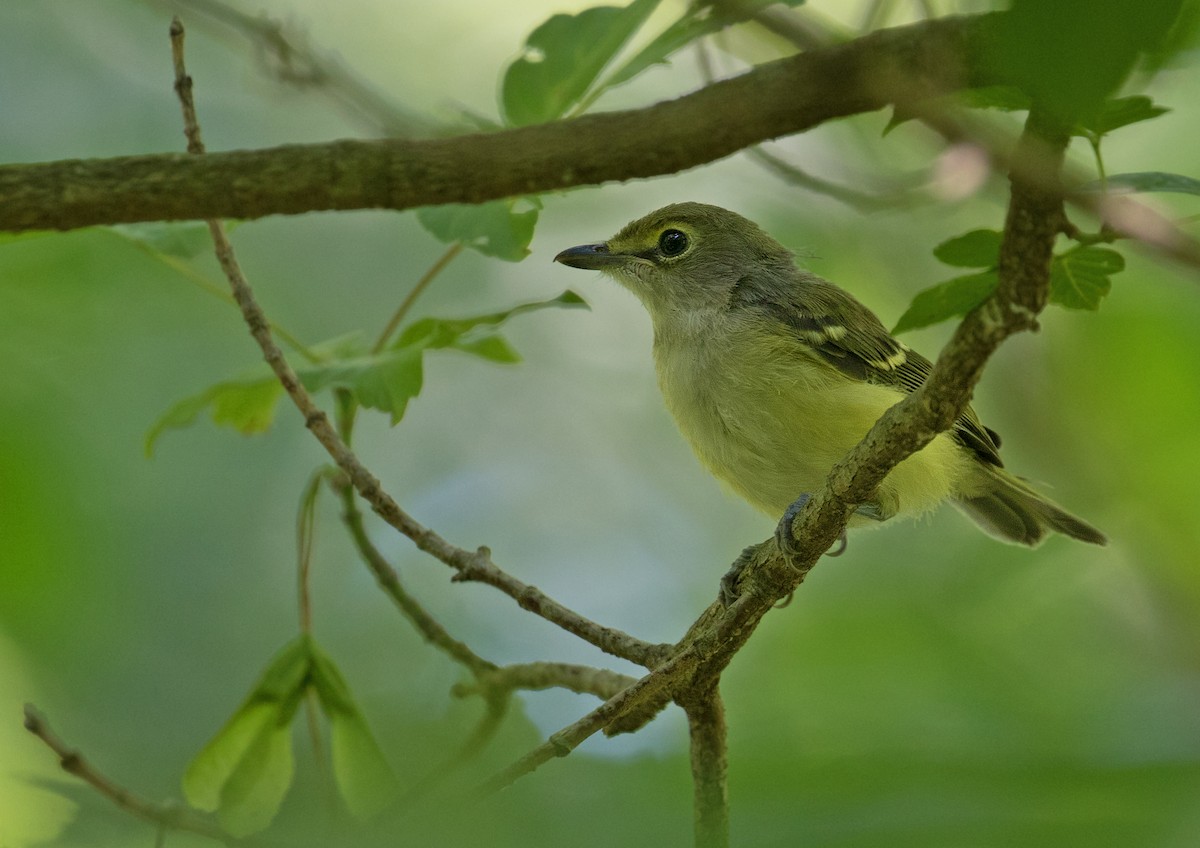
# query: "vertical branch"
710,796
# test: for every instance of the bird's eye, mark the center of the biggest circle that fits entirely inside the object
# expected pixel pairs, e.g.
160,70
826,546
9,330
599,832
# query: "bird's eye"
672,243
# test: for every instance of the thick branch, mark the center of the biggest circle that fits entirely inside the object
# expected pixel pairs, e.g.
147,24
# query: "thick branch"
772,100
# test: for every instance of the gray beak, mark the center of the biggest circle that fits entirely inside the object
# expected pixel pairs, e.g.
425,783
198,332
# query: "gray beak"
592,257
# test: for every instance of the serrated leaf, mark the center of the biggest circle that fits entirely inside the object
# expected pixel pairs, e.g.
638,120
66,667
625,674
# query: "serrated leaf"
494,228
698,21
184,239
385,381
364,778
1147,181
976,249
1080,279
272,700
562,59
247,405
1120,112
950,299
444,332
493,348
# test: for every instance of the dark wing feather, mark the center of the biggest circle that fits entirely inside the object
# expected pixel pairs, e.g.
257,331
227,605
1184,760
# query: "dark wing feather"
849,337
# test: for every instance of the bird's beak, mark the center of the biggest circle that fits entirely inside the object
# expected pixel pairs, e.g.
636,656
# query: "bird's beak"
592,257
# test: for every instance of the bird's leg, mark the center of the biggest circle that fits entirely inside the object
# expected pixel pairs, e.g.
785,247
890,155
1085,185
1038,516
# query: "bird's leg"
729,582
787,544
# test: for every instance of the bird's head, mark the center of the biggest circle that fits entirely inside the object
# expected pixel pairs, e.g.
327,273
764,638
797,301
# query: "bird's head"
684,257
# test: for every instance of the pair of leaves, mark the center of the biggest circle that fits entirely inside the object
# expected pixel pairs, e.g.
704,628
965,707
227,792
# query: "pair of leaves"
244,772
385,381
1079,279
559,69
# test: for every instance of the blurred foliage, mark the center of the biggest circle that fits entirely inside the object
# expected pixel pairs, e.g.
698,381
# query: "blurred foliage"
930,688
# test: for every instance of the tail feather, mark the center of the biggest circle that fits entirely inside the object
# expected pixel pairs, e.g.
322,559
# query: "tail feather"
1011,510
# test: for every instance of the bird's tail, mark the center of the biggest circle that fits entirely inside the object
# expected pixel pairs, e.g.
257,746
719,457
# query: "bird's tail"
1011,510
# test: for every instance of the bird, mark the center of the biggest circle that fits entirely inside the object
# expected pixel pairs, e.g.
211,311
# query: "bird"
773,374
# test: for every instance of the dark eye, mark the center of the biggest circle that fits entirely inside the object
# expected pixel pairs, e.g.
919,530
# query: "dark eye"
672,243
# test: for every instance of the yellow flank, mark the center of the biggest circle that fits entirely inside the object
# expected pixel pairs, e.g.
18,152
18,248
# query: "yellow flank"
771,430
774,375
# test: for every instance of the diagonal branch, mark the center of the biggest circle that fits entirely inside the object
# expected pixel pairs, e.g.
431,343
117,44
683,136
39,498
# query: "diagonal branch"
166,816
475,565
1034,220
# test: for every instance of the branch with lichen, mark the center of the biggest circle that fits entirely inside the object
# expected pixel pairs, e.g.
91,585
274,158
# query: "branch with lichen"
772,100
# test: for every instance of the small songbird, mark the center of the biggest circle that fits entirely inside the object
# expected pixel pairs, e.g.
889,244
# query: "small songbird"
773,374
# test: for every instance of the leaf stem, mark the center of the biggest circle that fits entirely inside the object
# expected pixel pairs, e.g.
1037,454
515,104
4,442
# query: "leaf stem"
422,284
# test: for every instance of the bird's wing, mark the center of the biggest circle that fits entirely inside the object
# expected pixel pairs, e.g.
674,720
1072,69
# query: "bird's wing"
849,337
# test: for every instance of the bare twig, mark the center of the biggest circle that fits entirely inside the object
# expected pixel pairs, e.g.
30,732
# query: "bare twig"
389,581
166,816
468,565
584,679
292,61
405,305
706,730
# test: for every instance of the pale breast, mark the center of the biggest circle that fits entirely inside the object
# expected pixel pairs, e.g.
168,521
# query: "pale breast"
771,420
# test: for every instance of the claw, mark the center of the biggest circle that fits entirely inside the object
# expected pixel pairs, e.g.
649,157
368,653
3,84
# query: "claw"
731,578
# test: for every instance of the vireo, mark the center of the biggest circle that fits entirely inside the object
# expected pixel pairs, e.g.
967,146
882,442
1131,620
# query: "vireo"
773,374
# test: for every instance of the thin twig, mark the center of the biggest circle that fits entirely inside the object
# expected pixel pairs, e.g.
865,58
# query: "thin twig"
298,64
563,742
389,580
469,565
405,305
583,679
497,708
166,816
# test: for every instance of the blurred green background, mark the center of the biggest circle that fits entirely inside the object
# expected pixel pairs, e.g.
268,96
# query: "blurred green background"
929,688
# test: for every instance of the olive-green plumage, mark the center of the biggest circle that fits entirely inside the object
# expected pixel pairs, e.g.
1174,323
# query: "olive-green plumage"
773,374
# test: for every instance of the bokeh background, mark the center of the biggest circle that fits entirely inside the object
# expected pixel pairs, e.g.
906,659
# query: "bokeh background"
929,688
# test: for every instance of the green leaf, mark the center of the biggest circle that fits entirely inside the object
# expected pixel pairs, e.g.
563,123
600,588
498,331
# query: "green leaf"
494,348
251,796
247,405
698,21
1070,55
1079,279
563,57
1119,112
1147,181
364,778
247,750
183,239
385,381
494,228
976,249
445,332
950,299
